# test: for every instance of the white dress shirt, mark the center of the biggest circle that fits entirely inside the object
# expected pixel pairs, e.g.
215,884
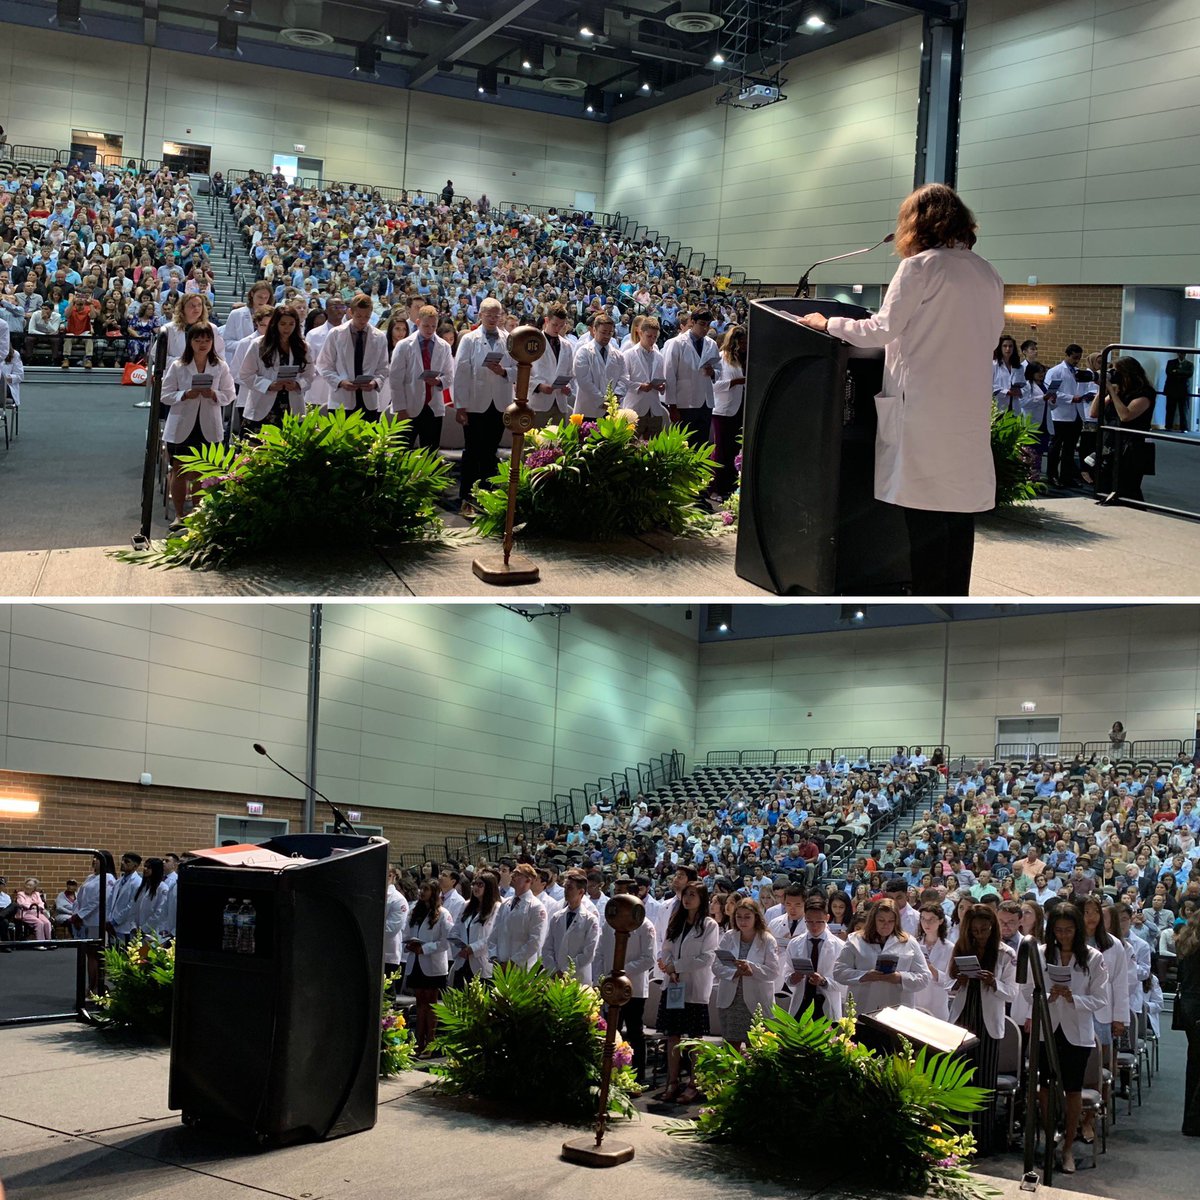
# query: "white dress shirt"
335,364
406,390
594,374
476,387
519,931
572,941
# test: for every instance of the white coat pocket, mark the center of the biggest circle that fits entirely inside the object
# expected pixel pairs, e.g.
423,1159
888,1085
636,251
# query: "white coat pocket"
888,434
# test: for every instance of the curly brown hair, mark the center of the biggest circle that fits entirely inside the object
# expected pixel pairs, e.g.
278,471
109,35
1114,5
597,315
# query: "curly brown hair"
933,215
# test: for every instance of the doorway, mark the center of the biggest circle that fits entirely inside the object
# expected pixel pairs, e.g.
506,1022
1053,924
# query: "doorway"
237,831
295,166
185,156
92,148
1017,737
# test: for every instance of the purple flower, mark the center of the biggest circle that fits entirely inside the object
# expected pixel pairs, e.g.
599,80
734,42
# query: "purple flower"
211,482
543,457
586,428
737,463
726,517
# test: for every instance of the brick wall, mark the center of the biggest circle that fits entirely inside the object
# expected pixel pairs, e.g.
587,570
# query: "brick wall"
154,820
1088,315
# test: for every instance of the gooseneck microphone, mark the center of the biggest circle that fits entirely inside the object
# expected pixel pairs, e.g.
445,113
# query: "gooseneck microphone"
340,824
802,290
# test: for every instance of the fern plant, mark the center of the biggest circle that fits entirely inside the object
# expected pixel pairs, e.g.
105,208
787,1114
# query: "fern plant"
592,480
1013,439
317,483
530,1026
912,1101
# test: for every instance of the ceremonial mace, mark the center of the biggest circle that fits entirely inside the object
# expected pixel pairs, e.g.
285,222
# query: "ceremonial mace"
526,345
625,914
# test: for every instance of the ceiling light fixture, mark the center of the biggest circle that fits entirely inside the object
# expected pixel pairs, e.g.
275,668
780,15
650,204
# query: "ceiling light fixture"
227,39
67,15
366,56
486,82
238,10
814,17
396,31
593,100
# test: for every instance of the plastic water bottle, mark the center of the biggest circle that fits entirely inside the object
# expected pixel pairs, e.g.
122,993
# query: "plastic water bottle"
229,925
245,928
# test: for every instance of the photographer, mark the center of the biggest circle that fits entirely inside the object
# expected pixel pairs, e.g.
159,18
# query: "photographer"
1129,403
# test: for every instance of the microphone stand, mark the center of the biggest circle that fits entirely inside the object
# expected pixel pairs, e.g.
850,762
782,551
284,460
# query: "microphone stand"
802,288
340,824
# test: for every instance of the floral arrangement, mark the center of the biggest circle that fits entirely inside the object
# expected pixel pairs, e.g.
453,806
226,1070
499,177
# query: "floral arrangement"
911,1101
1014,437
733,506
588,479
397,1048
536,1027
317,483
140,979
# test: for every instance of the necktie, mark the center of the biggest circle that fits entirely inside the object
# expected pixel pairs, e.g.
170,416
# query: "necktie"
571,914
792,927
698,344
811,995
555,346
360,349
426,359
604,353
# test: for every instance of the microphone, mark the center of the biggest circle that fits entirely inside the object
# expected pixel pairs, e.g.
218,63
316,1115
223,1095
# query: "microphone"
802,286
340,824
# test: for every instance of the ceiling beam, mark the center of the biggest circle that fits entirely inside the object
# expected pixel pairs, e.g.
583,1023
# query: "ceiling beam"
929,8
467,39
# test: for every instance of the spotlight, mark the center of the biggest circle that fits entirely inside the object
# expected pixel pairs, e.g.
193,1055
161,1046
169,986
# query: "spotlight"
227,39
718,618
852,614
395,31
486,82
718,59
814,17
722,628
651,80
67,15
238,10
366,56
587,24
531,56
593,100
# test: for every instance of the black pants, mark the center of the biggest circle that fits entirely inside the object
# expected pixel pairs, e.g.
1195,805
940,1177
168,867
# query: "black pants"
725,433
481,440
632,1016
1065,438
698,422
941,549
425,430
1191,1087
1180,405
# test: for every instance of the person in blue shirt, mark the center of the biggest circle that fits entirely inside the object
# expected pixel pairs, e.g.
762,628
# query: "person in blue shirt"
1187,816
1045,786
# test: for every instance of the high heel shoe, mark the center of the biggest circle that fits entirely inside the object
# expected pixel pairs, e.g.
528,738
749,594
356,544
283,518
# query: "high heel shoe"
1068,1162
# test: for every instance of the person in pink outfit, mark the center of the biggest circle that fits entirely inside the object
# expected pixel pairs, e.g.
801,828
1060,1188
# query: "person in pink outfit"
31,908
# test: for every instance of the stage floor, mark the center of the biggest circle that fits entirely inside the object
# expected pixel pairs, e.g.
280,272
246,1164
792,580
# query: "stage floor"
77,1112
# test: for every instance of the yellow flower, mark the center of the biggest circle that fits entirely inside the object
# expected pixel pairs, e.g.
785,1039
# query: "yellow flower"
400,1022
577,418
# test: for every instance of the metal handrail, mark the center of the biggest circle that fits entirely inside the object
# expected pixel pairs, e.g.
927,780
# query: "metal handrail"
1029,960
80,945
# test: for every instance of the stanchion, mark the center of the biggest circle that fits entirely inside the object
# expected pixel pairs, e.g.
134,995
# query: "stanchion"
625,914
526,345
157,368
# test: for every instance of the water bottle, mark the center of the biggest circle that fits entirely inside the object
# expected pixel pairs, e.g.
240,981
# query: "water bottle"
229,925
245,928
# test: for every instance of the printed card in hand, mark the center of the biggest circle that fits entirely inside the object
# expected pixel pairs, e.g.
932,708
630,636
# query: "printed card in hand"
726,957
969,966
288,373
887,964
802,964
202,381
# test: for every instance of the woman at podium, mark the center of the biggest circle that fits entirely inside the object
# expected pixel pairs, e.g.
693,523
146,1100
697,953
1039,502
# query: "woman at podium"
939,324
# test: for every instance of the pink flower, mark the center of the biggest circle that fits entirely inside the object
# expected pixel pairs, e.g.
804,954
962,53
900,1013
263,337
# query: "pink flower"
726,517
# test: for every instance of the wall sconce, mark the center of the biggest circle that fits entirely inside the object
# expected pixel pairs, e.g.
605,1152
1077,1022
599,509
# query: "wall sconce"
1028,310
18,808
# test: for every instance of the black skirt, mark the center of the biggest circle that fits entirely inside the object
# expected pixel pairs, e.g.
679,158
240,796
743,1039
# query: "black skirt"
690,1021
417,979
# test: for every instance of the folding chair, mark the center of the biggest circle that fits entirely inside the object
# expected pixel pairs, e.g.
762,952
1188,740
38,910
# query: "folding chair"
1008,1073
1095,1098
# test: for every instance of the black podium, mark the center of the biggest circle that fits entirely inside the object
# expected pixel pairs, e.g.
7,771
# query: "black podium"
281,1043
809,523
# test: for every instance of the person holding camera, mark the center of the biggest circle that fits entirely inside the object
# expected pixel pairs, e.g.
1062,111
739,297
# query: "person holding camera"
1129,403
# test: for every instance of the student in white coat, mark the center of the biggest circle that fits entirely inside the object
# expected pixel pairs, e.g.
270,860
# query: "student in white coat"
242,391
1066,417
553,404
194,417
427,943
474,930
977,1003
335,312
354,362
1073,1004
484,374
421,368
816,945
1008,375
686,961
898,979
729,392
640,953
276,372
395,921
12,375
122,912
647,369
520,928
939,322
241,321
573,933
86,918
192,309
746,970
934,998
693,363
1113,1019
151,902
598,366
1137,952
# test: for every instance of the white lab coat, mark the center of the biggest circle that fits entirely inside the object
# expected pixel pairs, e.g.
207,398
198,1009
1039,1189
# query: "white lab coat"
336,363
594,374
728,396
781,927
255,377
406,389
238,326
1116,968
1003,378
181,420
434,937
758,988
395,921
1089,992
859,956
519,931
643,366
150,912
476,934
691,956
992,999
319,392
122,912
1138,952
641,953
828,952
546,370
454,902
939,322
1034,404
1071,399
475,387
577,944
11,376
87,903
687,384
934,997
177,342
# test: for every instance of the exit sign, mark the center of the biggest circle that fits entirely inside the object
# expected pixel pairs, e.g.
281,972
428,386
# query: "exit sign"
353,816
254,808
1192,293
